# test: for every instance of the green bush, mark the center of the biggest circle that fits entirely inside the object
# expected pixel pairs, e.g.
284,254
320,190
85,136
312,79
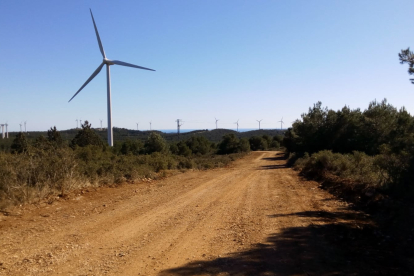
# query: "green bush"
199,145
20,144
155,143
358,167
86,136
232,144
258,143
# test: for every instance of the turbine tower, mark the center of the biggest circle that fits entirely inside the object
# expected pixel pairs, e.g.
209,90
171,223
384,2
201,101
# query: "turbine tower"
259,122
216,122
101,123
7,132
281,123
25,126
77,123
108,63
2,131
20,127
237,123
137,126
150,126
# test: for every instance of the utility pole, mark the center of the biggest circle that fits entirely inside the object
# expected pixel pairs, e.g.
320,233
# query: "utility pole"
178,127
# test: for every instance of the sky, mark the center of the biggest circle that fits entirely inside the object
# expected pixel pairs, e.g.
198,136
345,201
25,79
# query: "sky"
230,60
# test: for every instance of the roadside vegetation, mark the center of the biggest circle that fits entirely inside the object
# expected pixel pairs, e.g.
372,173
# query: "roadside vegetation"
371,151
50,166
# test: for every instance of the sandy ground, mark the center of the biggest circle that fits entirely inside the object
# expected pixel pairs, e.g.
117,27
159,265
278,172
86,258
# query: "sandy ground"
255,217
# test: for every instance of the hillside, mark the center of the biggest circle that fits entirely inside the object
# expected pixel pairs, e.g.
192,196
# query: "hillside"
122,134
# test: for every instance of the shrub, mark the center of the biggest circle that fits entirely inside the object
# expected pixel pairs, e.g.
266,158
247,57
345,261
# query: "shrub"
199,145
20,144
231,144
132,147
258,143
86,136
155,143
358,167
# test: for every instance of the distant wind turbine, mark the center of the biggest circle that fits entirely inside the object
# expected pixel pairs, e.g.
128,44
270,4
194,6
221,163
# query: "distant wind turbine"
150,125
77,126
137,126
216,122
20,127
281,123
237,123
101,123
108,63
7,132
2,130
259,122
25,126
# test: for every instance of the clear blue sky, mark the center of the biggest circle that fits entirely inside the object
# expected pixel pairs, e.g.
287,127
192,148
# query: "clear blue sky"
231,60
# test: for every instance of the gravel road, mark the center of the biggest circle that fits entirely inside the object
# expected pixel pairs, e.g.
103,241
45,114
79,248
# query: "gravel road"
254,217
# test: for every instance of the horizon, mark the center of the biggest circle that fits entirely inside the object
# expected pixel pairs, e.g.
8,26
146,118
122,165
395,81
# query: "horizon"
167,131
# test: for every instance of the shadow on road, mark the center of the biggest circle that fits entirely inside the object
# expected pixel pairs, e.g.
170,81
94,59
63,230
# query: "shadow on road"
343,246
272,167
279,157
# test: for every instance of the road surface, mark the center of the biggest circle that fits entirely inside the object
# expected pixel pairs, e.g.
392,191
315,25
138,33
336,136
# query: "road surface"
254,217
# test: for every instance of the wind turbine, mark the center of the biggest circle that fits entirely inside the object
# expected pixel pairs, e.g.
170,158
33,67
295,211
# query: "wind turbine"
150,125
25,126
259,122
108,63
101,123
2,130
281,123
237,123
216,122
137,126
7,132
20,127
77,124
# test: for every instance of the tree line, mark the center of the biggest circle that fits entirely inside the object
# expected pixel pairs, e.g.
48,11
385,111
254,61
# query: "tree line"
382,136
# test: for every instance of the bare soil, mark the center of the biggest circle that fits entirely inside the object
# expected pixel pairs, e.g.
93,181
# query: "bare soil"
254,217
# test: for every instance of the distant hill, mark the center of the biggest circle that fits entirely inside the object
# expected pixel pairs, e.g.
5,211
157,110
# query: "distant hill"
122,134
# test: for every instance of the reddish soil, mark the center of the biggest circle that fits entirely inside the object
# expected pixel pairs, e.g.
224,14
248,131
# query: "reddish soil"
254,217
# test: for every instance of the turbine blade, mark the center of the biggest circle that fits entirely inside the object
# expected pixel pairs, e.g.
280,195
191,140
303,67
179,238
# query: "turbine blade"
117,62
90,78
97,36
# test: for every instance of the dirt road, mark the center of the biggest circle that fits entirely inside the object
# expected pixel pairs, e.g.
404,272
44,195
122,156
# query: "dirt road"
255,217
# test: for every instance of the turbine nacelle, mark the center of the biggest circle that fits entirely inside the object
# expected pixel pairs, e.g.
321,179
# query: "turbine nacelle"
108,61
